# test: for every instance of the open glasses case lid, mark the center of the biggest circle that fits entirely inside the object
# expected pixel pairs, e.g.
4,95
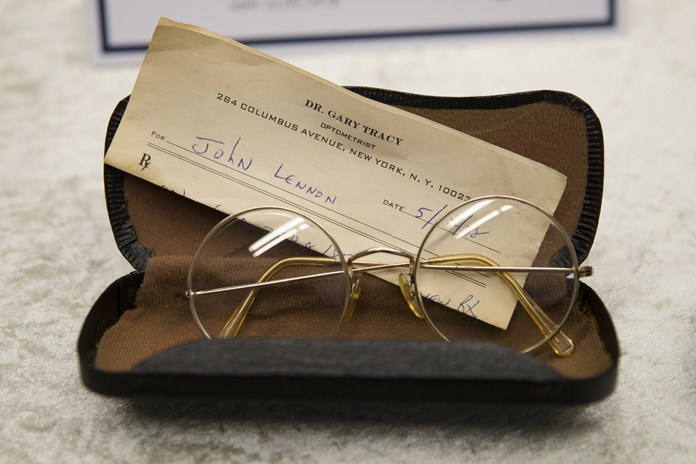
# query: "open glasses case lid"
158,351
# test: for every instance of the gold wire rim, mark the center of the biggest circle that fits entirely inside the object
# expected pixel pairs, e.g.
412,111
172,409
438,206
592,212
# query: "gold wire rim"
347,266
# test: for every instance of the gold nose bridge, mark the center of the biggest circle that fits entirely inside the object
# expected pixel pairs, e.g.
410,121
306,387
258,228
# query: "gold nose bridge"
405,283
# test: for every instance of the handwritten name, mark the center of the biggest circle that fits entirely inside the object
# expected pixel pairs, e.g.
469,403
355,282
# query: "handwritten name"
218,151
295,183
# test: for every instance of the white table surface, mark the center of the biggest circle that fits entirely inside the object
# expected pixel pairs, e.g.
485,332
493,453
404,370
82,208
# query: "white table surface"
58,253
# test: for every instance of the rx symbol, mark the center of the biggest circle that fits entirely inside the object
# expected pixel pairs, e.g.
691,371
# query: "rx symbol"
145,161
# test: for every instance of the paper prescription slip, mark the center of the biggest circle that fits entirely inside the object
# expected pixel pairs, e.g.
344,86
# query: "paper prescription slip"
232,128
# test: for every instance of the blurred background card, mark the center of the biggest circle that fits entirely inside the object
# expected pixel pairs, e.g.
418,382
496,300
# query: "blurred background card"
122,28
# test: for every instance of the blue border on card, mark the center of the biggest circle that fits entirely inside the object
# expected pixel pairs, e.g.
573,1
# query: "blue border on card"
107,48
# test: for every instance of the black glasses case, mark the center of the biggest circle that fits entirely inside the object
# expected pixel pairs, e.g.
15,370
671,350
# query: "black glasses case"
125,349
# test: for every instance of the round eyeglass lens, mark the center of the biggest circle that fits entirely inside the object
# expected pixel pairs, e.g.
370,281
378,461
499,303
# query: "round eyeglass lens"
522,279
263,273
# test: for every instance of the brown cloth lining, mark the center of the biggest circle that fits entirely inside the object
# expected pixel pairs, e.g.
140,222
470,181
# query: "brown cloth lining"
162,320
173,227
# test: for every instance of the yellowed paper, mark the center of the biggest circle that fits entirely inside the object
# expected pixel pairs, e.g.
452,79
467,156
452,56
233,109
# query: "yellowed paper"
232,128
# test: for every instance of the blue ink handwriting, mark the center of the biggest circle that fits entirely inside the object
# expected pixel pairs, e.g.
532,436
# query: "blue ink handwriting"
467,306
424,213
215,149
297,184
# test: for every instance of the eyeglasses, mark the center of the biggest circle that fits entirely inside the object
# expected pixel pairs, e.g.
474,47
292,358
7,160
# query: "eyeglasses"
494,268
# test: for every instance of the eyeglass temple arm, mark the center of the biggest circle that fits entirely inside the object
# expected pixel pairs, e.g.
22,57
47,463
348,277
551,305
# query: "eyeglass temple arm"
560,343
235,321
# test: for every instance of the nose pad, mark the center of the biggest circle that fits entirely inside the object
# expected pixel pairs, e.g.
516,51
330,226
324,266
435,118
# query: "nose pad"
354,298
409,293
